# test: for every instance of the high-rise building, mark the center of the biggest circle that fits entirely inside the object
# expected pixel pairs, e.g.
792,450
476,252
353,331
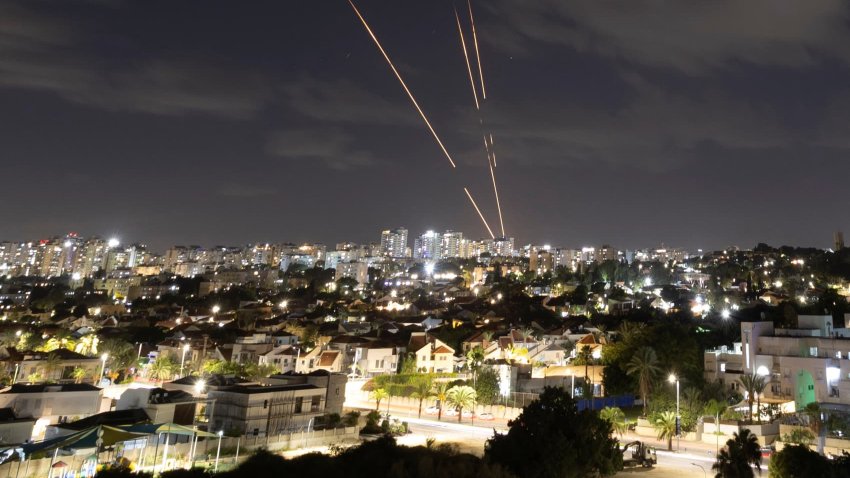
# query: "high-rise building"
358,271
839,240
428,246
394,242
452,245
500,246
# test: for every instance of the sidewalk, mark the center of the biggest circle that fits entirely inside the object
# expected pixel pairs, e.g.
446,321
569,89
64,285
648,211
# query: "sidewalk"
412,412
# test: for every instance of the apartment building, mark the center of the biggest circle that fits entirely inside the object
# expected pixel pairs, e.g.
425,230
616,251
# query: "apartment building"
805,364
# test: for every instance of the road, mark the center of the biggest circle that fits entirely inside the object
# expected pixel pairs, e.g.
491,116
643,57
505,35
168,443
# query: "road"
691,460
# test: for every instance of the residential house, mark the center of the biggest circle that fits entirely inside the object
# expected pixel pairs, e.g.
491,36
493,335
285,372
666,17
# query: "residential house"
432,354
378,357
166,406
333,383
58,365
264,410
282,357
51,403
319,359
14,430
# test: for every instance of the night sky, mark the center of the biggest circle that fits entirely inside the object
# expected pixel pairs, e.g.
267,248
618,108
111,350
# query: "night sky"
699,124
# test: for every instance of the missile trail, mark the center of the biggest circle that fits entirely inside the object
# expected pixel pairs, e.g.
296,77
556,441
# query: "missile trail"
496,191
466,57
477,55
492,150
479,213
403,85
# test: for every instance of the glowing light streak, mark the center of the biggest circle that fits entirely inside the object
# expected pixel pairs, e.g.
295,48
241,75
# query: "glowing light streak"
466,57
403,84
479,213
498,205
477,55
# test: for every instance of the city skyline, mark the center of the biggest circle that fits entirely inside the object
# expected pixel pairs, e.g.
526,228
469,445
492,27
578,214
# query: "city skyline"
286,121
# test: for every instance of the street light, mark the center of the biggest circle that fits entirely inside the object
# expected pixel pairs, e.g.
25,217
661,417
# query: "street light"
218,451
674,379
200,384
102,366
183,358
215,309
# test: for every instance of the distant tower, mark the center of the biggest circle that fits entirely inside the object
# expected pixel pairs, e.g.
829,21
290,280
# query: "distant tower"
838,238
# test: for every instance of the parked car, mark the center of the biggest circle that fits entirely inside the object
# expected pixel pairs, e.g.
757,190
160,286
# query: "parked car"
450,412
766,451
432,410
467,414
486,416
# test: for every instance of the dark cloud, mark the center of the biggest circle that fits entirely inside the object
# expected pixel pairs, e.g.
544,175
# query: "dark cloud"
42,52
690,36
330,146
346,102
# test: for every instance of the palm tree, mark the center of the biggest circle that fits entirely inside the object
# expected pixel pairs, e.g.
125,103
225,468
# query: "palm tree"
737,458
583,357
645,365
630,331
377,395
754,385
422,391
616,417
51,364
665,425
526,333
122,354
486,337
441,392
716,407
78,374
461,396
162,368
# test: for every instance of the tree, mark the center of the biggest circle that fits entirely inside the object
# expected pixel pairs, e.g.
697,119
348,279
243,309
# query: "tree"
715,408
584,356
665,425
78,374
645,366
551,438
87,345
122,354
738,456
798,461
616,417
377,395
162,368
441,391
487,386
754,385
461,396
50,365
474,359
422,391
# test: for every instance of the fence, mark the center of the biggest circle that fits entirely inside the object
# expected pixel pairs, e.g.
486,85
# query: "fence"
179,454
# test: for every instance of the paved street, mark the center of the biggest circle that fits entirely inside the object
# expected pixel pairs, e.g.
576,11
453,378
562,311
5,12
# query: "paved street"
691,459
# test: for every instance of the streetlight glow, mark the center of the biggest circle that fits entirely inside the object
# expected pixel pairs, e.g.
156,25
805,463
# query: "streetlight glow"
215,309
